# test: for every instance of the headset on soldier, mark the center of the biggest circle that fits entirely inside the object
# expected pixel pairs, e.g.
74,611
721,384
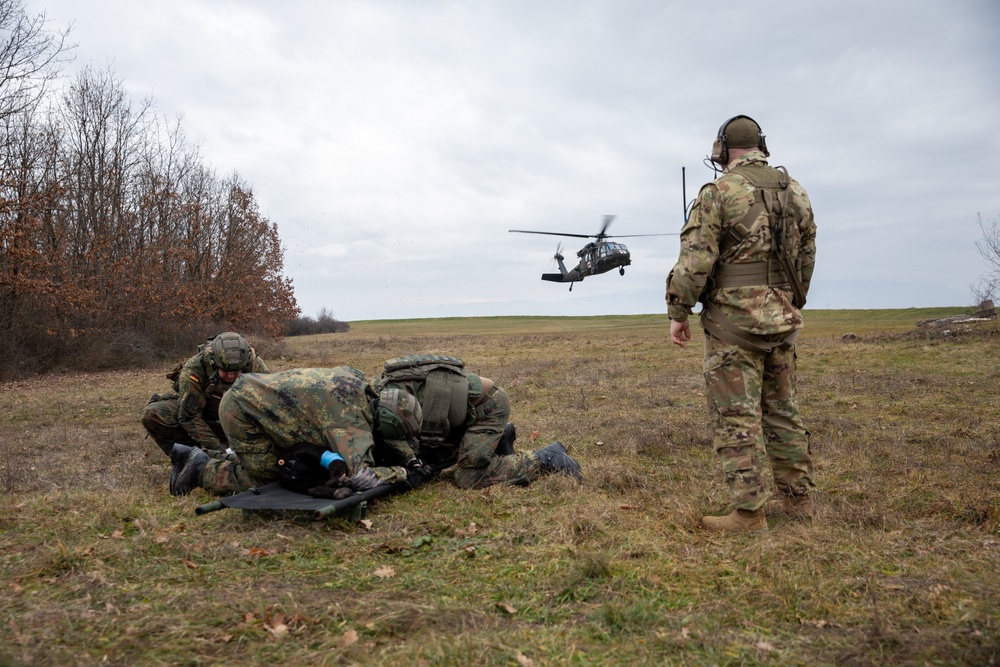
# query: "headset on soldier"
720,149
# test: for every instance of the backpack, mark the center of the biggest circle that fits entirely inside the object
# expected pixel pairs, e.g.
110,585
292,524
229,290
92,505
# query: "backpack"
444,399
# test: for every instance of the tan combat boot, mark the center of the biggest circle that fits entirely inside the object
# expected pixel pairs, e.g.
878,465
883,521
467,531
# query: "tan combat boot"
738,521
800,506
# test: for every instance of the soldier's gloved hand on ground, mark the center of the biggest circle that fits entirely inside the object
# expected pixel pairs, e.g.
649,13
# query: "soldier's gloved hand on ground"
417,472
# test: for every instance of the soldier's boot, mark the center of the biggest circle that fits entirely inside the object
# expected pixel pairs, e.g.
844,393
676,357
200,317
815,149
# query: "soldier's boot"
506,445
739,521
554,458
166,444
798,505
188,464
178,452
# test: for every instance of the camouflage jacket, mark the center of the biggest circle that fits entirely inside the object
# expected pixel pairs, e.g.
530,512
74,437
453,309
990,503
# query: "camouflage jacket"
199,389
720,205
329,407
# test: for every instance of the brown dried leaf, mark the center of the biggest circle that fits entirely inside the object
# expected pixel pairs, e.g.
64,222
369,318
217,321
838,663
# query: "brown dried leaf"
348,638
524,660
278,630
385,572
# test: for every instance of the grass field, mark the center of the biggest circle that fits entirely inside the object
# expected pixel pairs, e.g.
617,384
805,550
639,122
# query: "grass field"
102,566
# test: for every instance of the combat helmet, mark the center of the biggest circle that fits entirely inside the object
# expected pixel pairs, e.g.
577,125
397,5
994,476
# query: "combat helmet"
398,415
229,351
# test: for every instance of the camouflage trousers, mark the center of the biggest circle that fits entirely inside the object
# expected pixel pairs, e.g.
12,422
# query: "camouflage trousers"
254,460
518,469
478,464
751,397
160,420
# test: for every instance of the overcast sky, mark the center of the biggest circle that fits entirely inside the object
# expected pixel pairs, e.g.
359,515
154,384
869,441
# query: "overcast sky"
396,143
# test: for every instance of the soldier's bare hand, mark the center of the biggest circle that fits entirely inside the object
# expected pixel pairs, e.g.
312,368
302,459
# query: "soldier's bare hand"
680,332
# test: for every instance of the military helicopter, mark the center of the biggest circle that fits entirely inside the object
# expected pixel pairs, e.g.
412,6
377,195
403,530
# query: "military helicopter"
598,256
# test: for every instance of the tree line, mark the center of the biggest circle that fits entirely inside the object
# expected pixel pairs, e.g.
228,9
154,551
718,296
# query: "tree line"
117,241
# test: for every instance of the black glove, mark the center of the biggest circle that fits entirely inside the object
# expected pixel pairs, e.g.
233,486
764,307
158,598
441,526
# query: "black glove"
417,472
330,490
299,467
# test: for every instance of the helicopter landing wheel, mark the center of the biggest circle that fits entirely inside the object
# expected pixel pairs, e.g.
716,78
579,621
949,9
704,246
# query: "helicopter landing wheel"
621,270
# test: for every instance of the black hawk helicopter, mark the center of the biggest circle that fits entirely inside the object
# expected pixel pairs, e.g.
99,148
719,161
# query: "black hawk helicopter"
598,256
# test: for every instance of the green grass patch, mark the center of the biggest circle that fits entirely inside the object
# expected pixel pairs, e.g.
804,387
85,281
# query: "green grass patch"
102,565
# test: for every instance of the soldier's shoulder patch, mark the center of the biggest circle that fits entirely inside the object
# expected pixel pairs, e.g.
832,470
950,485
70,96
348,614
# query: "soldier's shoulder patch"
194,378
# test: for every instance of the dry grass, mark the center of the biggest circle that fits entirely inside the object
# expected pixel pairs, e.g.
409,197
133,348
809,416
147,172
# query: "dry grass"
100,564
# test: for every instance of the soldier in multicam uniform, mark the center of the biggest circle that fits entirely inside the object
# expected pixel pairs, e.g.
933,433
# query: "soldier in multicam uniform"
465,421
747,252
267,416
190,415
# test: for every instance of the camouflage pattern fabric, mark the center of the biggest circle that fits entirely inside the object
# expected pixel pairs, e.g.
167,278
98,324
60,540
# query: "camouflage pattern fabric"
192,416
264,414
478,464
751,394
720,205
160,420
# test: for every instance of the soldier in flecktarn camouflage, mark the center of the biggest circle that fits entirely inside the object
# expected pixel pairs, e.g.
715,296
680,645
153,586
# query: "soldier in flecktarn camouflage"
190,413
323,420
747,253
465,421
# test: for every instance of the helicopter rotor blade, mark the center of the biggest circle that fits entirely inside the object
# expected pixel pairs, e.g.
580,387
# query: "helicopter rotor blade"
556,257
527,231
632,236
608,219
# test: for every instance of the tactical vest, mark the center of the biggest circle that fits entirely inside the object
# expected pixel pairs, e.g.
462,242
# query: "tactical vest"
779,270
444,396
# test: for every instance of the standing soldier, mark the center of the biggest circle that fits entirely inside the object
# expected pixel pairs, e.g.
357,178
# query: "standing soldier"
190,415
747,253
465,420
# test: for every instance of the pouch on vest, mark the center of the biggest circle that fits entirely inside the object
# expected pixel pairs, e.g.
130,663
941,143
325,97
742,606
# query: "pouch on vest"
444,400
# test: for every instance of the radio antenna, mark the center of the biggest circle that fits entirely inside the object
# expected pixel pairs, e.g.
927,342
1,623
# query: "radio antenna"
684,195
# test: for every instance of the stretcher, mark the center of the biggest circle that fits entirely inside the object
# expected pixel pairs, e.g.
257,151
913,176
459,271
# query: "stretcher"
276,497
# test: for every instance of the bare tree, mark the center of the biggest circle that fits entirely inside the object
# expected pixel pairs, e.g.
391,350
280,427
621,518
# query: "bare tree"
30,57
986,287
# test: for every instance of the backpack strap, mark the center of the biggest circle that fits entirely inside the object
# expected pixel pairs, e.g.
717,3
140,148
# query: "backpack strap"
741,230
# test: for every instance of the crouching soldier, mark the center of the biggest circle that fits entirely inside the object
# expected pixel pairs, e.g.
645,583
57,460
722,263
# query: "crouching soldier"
330,416
465,419
190,415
